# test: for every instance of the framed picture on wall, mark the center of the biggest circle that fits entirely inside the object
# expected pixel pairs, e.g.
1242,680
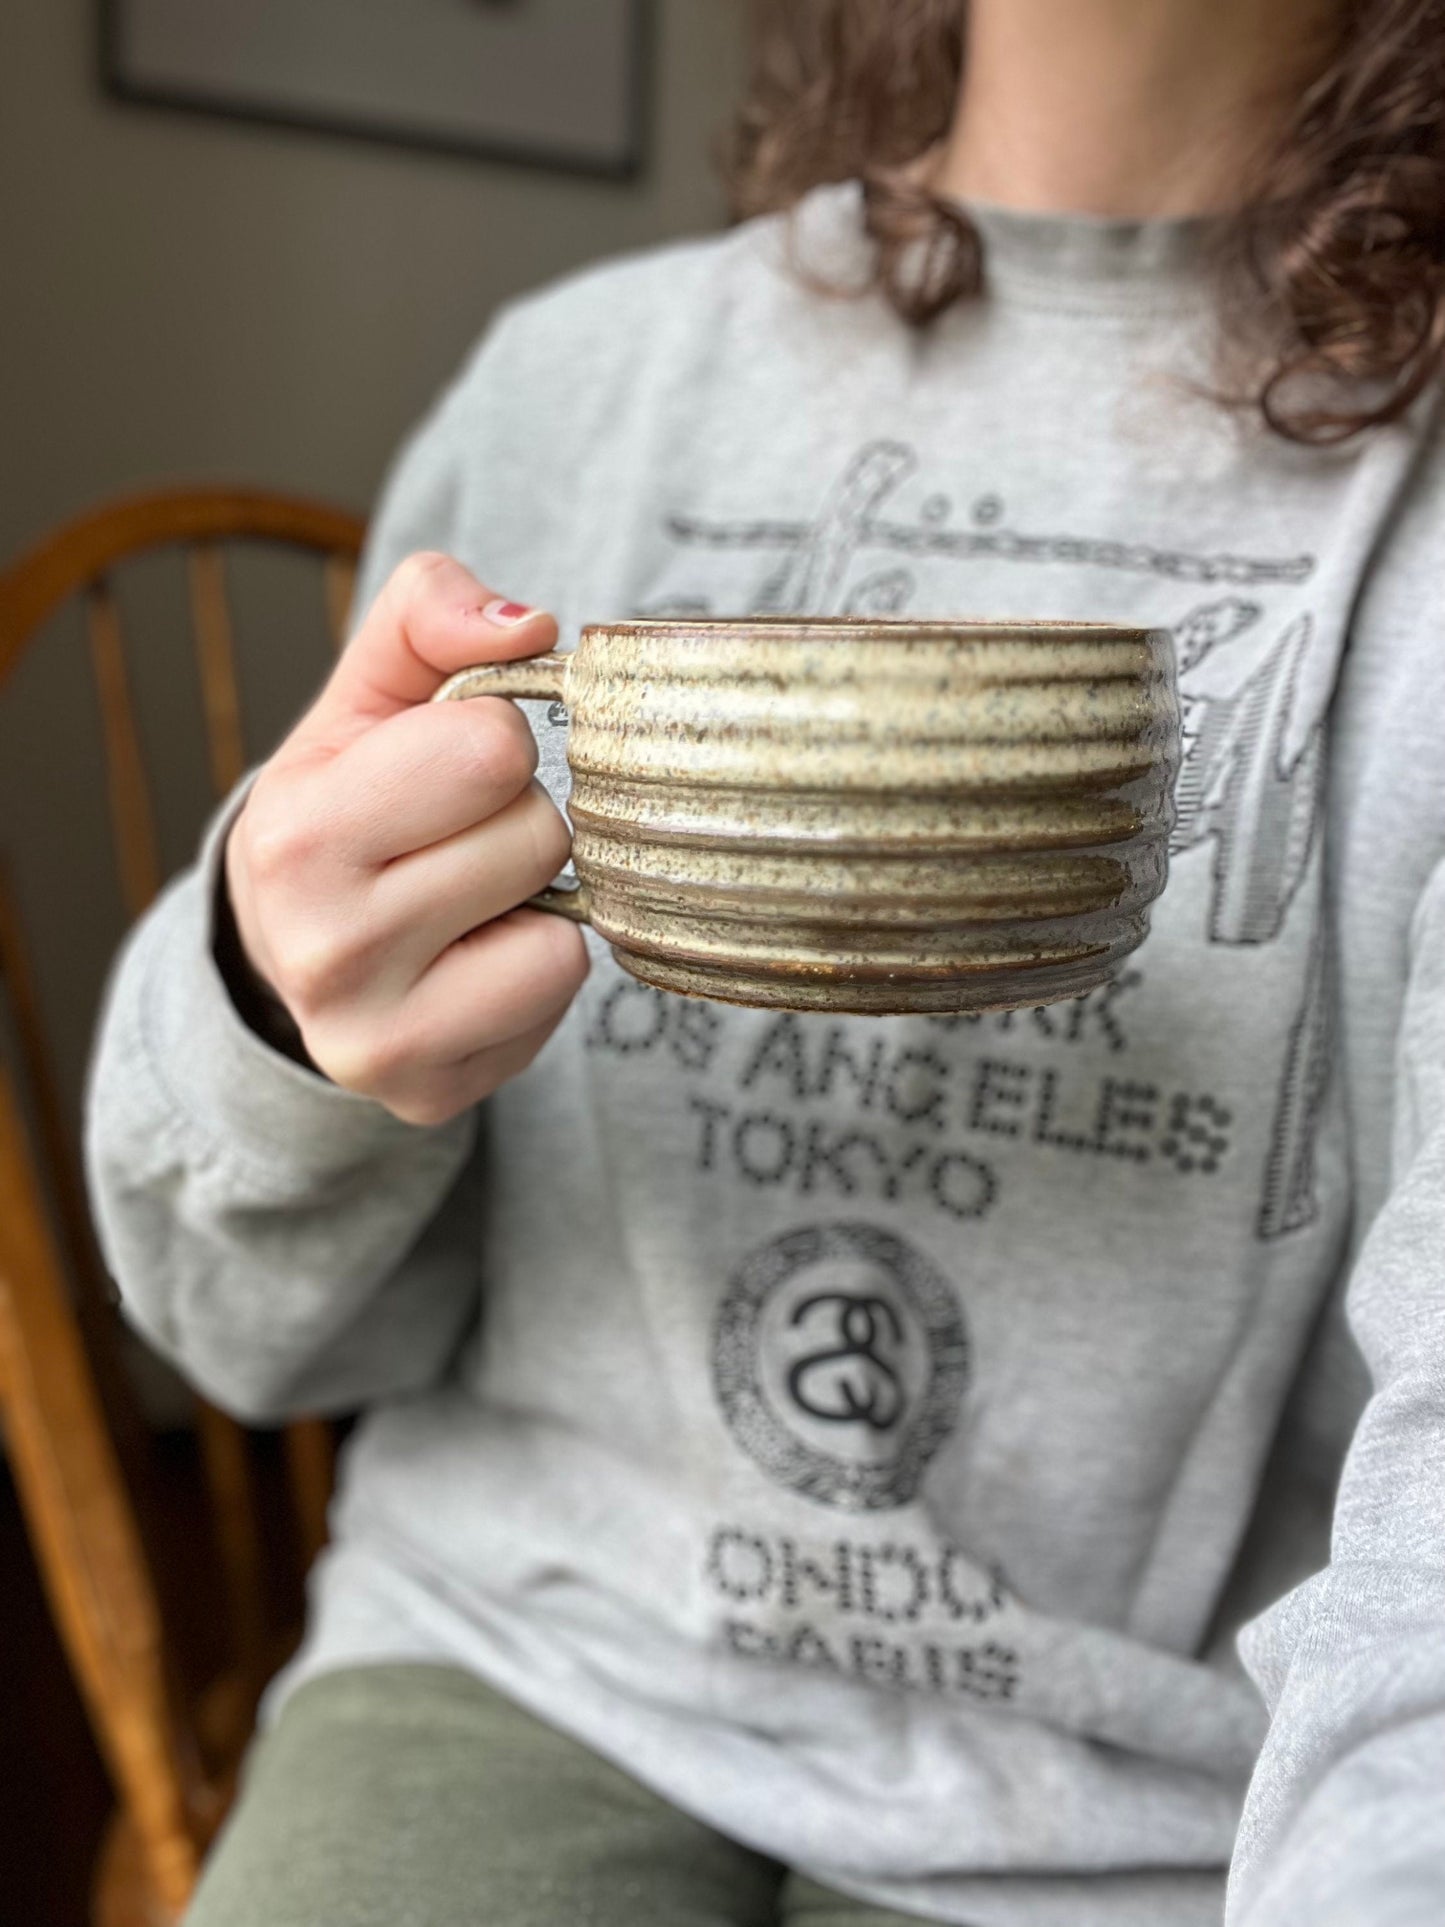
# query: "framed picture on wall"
553,83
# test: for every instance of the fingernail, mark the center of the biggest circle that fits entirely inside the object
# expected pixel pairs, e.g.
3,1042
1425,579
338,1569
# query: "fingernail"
508,614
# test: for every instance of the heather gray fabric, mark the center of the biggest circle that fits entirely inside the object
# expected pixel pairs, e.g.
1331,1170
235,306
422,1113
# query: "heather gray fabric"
415,1796
871,1435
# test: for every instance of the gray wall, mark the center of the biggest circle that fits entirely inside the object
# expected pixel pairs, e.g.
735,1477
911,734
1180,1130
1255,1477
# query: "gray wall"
187,299
192,297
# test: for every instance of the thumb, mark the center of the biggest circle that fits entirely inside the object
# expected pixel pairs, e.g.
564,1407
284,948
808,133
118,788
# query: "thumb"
432,618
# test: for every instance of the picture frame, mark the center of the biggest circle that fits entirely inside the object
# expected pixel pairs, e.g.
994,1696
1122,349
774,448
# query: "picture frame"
556,84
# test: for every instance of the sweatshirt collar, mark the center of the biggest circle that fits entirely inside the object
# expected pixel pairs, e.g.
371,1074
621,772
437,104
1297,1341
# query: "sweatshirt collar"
1067,263
1083,260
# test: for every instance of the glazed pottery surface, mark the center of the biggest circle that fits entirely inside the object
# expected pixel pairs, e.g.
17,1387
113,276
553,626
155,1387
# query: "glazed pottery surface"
864,816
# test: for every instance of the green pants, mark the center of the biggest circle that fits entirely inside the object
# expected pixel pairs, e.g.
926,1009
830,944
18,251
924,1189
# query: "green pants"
415,1796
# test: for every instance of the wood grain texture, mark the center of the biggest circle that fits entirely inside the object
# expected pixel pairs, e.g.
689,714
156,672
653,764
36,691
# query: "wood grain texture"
54,568
69,1473
84,1531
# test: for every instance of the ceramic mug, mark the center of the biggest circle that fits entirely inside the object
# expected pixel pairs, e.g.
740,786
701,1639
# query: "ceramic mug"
861,816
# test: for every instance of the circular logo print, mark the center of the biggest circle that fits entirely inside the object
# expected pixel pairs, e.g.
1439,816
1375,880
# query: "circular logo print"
840,1357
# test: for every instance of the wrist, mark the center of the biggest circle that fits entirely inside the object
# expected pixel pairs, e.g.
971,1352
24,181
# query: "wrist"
252,997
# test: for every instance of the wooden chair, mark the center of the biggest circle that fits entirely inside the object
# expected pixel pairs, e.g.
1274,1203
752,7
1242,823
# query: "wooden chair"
63,1400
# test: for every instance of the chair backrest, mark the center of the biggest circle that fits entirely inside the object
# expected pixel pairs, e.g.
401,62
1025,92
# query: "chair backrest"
60,1385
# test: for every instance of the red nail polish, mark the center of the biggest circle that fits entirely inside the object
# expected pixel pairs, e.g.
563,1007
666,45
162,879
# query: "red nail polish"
509,614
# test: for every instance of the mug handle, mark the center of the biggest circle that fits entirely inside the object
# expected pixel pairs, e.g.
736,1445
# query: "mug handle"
540,679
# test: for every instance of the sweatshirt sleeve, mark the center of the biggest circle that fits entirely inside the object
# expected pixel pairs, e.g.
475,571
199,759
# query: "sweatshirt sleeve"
287,1245
1345,1821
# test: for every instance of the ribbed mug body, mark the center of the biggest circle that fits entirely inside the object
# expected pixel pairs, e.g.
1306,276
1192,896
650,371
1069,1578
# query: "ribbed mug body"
874,816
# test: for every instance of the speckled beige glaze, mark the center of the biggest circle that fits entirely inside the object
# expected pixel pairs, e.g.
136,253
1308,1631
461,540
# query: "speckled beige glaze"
864,816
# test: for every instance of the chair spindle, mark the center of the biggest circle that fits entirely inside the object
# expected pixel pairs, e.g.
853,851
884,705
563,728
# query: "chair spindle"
238,1538
339,576
311,1465
17,978
216,661
131,815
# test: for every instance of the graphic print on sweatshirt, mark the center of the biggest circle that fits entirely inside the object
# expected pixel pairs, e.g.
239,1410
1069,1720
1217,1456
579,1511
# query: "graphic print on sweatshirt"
840,1360
1251,786
907,1228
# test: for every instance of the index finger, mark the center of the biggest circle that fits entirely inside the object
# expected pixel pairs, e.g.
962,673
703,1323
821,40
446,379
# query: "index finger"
432,618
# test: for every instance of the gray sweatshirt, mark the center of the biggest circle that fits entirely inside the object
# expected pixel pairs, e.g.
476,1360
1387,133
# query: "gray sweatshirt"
874,1434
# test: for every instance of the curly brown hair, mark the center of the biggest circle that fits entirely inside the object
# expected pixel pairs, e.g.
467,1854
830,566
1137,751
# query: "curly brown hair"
1331,276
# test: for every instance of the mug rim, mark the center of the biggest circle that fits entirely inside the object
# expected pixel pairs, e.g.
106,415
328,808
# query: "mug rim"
890,628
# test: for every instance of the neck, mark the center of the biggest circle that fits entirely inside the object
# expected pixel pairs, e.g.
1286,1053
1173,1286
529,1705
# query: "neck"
1129,108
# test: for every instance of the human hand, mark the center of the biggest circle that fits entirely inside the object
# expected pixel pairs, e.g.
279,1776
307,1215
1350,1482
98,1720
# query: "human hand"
375,869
